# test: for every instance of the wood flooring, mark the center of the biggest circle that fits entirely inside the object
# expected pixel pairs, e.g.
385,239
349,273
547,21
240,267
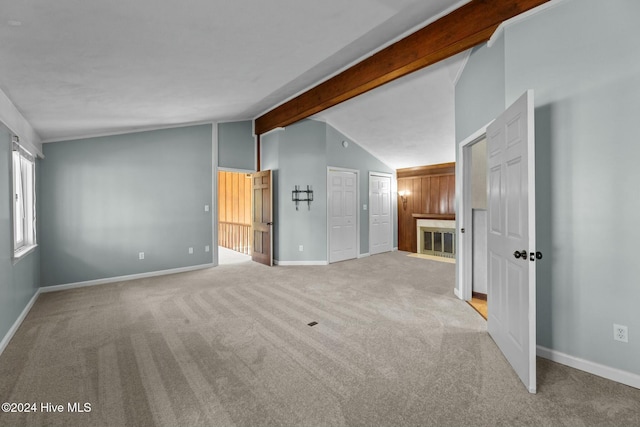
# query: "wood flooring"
479,305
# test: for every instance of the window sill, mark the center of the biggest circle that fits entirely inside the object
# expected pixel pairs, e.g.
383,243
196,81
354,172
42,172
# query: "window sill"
23,252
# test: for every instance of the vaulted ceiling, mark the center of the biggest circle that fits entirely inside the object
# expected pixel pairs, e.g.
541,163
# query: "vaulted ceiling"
81,68
408,122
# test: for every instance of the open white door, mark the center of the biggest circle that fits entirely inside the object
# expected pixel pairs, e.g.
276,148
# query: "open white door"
512,237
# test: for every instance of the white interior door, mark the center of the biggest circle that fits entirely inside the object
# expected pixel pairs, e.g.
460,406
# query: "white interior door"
379,214
343,209
511,237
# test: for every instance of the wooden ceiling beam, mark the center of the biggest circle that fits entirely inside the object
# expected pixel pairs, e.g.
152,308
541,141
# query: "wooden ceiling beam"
464,28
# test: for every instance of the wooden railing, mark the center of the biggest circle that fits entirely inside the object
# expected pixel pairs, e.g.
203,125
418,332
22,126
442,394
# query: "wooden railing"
235,236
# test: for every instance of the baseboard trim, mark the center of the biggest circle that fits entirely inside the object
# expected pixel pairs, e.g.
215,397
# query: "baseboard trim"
456,292
479,295
96,282
613,374
16,325
293,263
364,255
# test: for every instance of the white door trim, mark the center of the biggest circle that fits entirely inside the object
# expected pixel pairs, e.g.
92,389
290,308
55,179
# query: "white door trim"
214,194
391,215
328,225
464,288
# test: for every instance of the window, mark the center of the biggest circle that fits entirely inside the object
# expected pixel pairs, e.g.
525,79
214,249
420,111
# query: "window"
24,201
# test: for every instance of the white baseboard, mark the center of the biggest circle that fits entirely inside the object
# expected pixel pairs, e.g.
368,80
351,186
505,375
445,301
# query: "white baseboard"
290,263
364,255
603,371
457,293
14,328
56,288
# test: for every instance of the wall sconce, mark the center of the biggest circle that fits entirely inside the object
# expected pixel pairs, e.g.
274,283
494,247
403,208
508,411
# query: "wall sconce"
403,197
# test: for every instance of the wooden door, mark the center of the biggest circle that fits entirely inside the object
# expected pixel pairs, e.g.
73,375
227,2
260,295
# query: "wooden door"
262,218
511,237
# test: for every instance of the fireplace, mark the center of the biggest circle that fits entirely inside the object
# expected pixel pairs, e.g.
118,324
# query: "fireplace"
436,237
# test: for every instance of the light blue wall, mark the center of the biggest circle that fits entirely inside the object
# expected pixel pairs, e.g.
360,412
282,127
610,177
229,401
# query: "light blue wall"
356,157
19,282
587,100
106,199
479,94
236,146
299,155
302,161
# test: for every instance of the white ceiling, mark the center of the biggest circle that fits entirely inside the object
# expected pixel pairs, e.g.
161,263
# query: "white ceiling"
408,122
78,68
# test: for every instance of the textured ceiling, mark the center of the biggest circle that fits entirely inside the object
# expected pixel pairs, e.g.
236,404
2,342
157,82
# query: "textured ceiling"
80,68
408,122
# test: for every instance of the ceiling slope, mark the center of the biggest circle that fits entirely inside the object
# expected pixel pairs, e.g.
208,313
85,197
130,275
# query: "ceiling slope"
408,122
462,29
81,68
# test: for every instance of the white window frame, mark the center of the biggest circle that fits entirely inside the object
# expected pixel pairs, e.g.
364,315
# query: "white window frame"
23,201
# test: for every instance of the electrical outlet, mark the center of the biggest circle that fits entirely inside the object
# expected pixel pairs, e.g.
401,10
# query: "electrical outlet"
620,333
206,248
141,255
301,248
190,251
364,207
206,208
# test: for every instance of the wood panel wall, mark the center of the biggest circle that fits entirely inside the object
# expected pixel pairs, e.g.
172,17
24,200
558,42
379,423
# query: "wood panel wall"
234,210
430,190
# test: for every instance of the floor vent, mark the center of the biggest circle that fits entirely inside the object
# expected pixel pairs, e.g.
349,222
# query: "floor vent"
312,323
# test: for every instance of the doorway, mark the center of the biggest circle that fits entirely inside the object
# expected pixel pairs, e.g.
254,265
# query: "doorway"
380,230
471,181
476,209
234,217
511,226
342,214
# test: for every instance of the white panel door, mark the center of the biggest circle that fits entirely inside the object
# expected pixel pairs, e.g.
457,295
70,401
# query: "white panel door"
380,231
343,209
511,237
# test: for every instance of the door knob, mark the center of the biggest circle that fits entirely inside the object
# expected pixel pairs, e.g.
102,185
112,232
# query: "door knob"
520,254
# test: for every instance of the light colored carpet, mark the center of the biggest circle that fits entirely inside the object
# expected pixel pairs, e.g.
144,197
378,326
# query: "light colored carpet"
230,346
